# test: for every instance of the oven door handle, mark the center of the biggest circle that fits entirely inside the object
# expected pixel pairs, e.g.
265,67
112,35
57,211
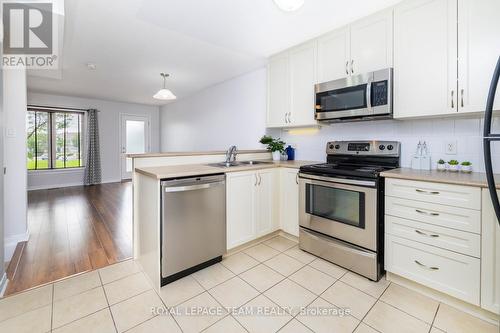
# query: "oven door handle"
368,183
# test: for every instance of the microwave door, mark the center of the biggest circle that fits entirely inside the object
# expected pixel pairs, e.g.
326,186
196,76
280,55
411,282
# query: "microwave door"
343,102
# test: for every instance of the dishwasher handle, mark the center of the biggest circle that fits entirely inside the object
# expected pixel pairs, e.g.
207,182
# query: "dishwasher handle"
191,187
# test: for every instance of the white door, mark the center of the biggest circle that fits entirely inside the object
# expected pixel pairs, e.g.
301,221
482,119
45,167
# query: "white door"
278,91
135,139
264,202
371,43
333,55
425,58
302,80
240,187
478,27
290,201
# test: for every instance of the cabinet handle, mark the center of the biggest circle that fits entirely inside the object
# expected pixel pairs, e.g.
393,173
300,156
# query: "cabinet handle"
289,117
297,179
260,180
452,99
427,235
426,213
426,192
352,66
426,267
256,180
347,67
462,97
286,120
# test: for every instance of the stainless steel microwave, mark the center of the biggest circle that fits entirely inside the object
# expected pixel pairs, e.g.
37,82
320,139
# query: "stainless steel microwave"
358,97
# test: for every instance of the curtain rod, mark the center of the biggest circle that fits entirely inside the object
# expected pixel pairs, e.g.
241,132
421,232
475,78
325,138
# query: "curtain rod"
55,108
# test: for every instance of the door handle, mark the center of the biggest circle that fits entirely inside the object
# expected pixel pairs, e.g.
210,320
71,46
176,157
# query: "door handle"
352,66
426,192
347,67
452,99
431,268
256,180
289,117
286,120
426,213
462,97
427,235
260,179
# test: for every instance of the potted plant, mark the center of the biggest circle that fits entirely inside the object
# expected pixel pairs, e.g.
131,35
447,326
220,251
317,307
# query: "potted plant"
275,146
453,165
441,165
466,167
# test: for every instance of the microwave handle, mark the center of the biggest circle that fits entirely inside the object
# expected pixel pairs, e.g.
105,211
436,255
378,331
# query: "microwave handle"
369,94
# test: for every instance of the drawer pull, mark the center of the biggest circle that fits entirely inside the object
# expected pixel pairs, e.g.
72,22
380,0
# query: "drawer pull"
426,267
426,192
424,234
426,213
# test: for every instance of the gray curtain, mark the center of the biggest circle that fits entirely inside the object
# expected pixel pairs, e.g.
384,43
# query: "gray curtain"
93,152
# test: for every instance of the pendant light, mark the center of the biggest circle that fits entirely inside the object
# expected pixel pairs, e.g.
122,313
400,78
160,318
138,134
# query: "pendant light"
289,5
164,94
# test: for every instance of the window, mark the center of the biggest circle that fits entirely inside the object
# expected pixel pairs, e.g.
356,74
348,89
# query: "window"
54,139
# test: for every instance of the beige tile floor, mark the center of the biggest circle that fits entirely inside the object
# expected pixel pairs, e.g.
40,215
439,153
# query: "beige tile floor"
270,287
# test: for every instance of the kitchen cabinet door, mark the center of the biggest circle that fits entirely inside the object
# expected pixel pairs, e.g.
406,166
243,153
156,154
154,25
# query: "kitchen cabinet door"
264,202
478,52
425,58
278,90
240,203
490,257
333,55
372,43
289,201
302,80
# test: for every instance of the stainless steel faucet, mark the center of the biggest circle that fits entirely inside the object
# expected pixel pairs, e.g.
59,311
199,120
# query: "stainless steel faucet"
231,154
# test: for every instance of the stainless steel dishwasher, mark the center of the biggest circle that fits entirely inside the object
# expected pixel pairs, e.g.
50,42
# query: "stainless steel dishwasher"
193,227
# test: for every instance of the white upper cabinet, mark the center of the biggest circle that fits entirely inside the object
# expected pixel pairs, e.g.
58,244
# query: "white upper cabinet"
278,90
478,52
425,52
371,43
302,80
333,55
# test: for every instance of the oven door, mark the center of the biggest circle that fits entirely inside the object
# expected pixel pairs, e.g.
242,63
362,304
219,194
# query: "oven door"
345,209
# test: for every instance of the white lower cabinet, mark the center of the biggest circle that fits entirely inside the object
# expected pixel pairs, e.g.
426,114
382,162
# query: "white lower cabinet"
490,257
289,201
446,271
251,198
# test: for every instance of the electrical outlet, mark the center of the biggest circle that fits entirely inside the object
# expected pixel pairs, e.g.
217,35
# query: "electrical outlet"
450,147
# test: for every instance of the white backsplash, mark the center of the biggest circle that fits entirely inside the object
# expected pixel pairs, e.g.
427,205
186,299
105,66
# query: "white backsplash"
467,133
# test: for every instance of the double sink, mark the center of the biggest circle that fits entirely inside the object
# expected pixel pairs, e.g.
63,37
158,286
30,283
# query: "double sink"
235,164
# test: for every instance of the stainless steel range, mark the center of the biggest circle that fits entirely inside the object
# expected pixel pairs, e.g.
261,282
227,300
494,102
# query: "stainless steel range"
341,210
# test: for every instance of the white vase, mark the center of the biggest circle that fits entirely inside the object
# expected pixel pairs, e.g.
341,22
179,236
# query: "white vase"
276,155
441,167
453,168
466,168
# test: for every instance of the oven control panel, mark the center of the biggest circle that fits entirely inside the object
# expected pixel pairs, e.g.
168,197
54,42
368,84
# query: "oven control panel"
391,148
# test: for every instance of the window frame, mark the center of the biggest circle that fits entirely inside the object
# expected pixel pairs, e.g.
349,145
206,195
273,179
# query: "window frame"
52,138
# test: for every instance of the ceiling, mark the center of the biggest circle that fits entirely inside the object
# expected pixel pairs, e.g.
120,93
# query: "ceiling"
199,42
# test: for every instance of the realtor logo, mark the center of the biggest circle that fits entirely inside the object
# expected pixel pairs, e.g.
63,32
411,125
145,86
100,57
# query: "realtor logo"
29,33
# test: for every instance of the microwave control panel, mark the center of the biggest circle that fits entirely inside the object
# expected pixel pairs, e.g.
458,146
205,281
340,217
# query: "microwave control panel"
379,93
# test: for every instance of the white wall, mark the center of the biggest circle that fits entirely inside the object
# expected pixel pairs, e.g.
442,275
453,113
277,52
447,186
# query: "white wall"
466,133
231,113
15,199
109,130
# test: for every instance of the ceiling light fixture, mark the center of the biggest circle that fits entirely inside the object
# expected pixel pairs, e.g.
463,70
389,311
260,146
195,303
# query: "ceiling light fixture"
289,5
164,94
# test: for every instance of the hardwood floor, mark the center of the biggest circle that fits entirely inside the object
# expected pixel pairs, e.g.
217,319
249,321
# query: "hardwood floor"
73,230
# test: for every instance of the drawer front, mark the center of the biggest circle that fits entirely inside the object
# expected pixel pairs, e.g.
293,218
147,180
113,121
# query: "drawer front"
449,239
441,215
445,194
451,273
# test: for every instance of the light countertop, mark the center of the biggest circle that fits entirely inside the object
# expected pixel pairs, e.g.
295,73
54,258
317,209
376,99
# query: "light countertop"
477,179
176,171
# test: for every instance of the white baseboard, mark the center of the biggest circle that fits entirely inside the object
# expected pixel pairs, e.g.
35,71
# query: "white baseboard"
3,284
11,243
53,186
